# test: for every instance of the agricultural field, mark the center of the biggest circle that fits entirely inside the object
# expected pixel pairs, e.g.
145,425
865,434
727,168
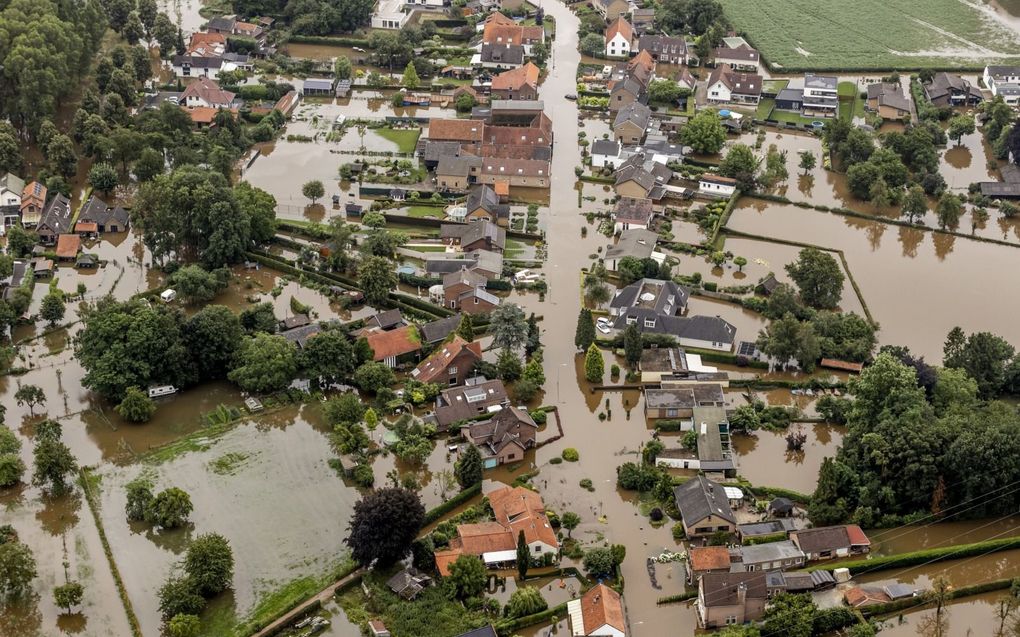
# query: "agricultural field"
797,35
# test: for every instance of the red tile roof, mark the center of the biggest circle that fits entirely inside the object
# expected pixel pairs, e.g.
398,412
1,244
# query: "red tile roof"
516,78
602,605
622,27
857,536
708,558
456,130
68,246
86,226
208,91
833,363
434,367
396,342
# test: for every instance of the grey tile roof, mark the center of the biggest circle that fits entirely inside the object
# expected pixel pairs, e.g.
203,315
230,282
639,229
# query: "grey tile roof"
98,211
770,552
437,331
608,147
823,82
636,113
468,401
721,589
635,242
503,53
633,209
699,498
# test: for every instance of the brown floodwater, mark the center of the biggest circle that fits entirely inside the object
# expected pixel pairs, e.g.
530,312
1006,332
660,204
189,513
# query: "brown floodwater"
967,617
763,458
884,259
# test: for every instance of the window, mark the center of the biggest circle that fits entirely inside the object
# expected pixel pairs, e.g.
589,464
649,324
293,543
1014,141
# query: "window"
650,322
731,619
631,320
672,413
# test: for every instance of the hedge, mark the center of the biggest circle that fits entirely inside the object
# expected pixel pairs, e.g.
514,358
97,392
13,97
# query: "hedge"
668,425
926,556
681,597
433,515
778,492
765,539
328,41
511,626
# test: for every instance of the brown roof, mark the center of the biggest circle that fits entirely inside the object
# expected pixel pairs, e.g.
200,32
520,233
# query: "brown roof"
519,509
859,597
622,27
206,43
510,167
717,179
720,589
485,537
833,363
456,130
516,135
68,246
396,342
34,193
208,91
633,209
826,538
602,605
86,226
708,558
502,188
509,426
516,78
202,114
741,53
434,367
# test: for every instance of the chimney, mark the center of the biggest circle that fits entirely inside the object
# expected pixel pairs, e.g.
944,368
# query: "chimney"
741,593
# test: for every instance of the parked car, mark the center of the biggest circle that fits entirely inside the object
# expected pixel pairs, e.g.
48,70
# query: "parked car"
571,96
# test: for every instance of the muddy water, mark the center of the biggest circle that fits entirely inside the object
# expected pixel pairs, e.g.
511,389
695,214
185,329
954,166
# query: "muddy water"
262,500
884,259
968,617
763,458
184,13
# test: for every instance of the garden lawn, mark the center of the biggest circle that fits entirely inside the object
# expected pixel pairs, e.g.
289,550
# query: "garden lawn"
405,139
419,212
870,35
514,249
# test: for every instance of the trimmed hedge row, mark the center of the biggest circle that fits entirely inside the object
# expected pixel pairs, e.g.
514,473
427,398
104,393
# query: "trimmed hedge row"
681,597
434,514
926,556
510,626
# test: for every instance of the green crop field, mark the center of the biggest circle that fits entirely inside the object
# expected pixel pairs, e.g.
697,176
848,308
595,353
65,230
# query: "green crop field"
876,35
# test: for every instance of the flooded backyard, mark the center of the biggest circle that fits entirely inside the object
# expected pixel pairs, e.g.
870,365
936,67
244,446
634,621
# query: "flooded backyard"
885,259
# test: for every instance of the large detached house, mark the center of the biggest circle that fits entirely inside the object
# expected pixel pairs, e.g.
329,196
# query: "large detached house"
727,85
516,509
726,599
664,49
1003,81
656,306
704,508
948,89
449,365
476,397
504,437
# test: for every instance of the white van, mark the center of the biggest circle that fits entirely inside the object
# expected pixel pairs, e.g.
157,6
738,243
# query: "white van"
168,295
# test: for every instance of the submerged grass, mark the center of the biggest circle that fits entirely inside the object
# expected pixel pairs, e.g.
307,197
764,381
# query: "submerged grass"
405,139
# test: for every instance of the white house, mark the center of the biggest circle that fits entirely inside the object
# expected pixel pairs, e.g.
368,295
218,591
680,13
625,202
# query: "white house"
820,95
389,14
727,85
11,187
1004,81
195,66
605,153
716,185
206,93
619,35
598,613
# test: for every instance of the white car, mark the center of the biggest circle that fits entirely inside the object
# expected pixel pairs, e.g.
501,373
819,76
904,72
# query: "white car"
603,325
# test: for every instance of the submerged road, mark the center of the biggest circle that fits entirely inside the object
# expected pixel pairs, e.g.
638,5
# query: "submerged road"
603,445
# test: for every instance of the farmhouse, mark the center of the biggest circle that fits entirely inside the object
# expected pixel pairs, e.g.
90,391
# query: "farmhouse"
619,35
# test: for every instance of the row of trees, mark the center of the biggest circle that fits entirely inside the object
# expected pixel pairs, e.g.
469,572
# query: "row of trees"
132,344
920,440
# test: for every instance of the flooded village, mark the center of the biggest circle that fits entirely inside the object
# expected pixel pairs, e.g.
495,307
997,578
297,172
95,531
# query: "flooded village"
494,318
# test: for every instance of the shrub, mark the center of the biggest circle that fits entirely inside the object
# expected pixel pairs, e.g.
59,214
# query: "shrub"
570,454
555,460
586,483
678,531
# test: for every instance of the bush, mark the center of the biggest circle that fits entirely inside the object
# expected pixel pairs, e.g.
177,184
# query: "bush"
829,620
586,483
678,531
570,454
556,460
539,416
